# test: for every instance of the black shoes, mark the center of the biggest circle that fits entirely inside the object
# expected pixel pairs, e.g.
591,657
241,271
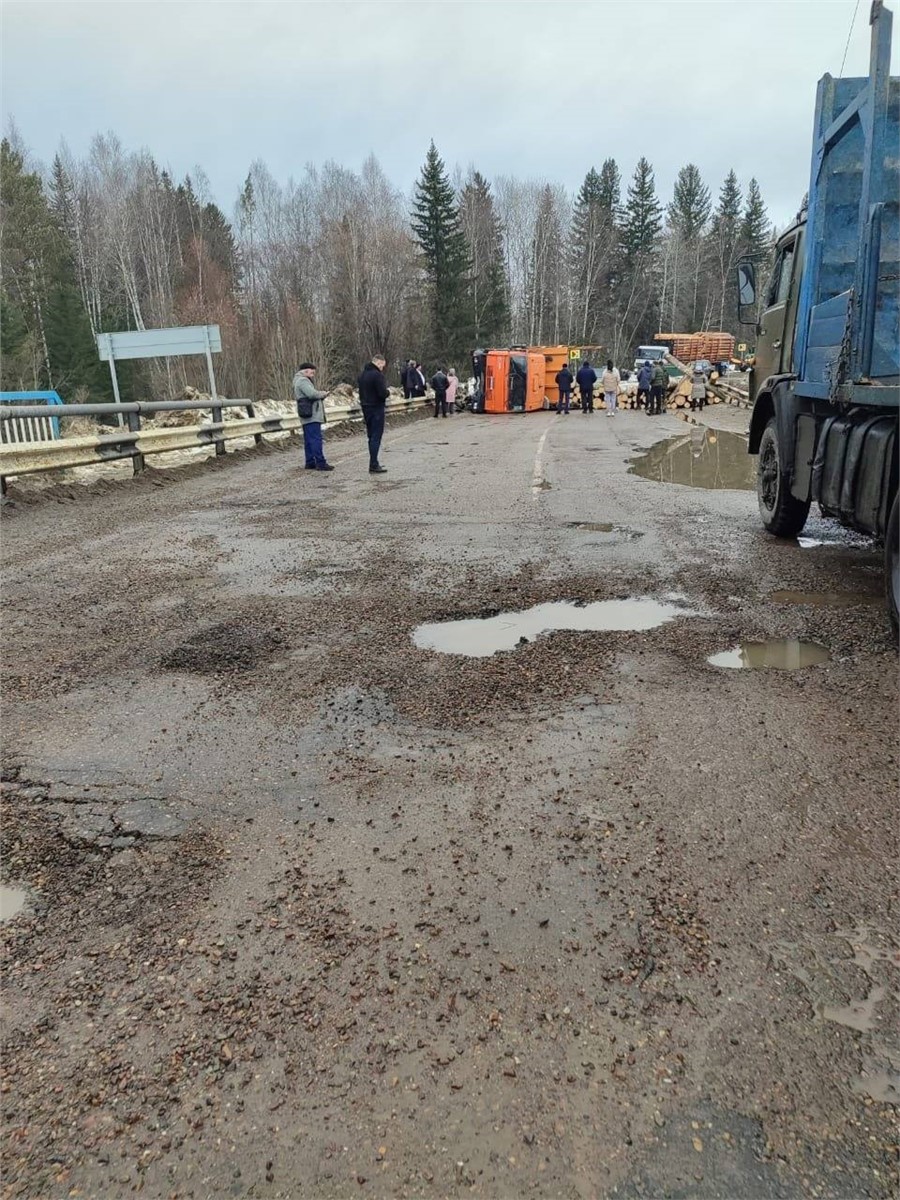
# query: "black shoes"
325,467
377,470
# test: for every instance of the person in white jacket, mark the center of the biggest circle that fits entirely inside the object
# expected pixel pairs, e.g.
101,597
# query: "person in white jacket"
609,382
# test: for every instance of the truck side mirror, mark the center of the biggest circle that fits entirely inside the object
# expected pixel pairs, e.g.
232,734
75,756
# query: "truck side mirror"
746,286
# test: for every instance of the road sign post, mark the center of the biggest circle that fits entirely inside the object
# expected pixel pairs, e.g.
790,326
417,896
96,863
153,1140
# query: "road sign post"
160,343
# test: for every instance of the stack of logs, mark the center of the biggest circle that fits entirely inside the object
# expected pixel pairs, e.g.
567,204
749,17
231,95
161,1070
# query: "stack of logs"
679,395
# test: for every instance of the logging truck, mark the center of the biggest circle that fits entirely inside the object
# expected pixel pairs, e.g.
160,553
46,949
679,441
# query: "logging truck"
825,383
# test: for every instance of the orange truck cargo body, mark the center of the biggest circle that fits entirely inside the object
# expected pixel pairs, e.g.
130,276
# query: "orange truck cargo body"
557,357
514,381
715,346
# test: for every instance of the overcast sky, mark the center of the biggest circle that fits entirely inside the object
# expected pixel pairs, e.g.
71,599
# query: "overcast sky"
535,89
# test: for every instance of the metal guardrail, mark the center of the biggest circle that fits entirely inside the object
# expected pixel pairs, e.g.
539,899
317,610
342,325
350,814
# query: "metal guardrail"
136,443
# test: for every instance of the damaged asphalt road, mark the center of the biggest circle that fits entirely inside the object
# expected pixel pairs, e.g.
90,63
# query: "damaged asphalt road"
313,911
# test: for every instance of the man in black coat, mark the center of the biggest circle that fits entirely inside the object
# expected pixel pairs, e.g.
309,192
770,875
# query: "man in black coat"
586,378
373,394
440,382
405,381
564,381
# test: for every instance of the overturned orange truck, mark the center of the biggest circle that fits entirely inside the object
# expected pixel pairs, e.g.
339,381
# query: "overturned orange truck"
522,379
509,381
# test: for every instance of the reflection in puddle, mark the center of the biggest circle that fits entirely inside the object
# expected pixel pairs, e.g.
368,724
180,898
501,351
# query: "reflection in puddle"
825,599
12,901
782,654
840,537
700,459
480,637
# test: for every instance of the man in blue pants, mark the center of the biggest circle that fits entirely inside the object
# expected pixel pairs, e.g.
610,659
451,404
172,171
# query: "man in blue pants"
311,411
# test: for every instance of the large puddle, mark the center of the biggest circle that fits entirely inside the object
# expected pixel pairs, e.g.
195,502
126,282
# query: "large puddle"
480,637
780,654
701,458
12,901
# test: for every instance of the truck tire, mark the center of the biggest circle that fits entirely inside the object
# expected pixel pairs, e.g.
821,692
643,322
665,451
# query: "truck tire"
892,565
782,514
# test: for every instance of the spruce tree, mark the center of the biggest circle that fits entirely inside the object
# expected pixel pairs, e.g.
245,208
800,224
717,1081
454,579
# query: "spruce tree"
691,204
609,192
728,208
72,350
723,241
642,218
17,349
756,235
29,237
438,231
488,289
592,244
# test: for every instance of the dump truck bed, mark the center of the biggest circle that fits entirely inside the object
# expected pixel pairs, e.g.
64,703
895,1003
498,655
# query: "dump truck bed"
848,310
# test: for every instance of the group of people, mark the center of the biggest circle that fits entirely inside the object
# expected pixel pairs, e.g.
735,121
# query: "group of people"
412,380
443,383
585,378
652,385
373,395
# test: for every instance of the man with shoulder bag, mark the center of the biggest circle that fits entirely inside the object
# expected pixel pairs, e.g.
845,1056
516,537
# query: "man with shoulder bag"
311,411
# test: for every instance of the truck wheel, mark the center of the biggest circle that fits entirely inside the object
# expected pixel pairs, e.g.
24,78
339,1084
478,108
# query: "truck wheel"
892,564
782,514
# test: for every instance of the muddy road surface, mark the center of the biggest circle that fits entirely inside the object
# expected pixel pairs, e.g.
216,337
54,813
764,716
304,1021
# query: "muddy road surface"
300,900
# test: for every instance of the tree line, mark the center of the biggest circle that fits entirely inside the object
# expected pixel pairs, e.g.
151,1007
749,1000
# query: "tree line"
337,263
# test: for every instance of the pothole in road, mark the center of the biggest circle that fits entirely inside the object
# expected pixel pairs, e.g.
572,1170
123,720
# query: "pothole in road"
780,654
12,901
480,637
225,647
605,527
702,458
824,599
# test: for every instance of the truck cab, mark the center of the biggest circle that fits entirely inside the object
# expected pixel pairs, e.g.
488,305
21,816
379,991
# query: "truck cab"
775,332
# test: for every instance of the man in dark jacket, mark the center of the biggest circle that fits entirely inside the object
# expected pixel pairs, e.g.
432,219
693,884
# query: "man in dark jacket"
440,382
564,381
644,379
659,386
405,381
373,394
416,380
586,378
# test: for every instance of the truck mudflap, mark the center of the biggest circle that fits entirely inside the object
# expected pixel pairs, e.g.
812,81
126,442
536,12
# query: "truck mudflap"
854,469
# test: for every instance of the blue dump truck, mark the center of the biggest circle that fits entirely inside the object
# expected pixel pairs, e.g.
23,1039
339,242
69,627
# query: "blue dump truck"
826,381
